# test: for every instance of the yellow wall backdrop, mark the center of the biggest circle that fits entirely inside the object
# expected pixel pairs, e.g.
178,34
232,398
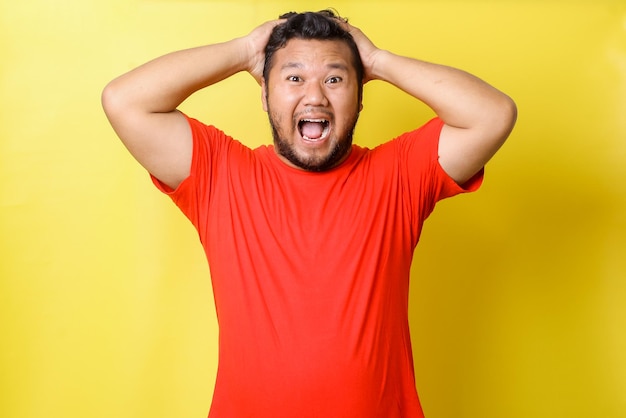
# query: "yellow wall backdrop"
519,291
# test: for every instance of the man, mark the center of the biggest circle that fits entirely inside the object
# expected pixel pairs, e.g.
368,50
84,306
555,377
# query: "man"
309,241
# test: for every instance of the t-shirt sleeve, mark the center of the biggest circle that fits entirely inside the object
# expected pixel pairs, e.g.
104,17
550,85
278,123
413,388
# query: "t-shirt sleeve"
428,183
193,193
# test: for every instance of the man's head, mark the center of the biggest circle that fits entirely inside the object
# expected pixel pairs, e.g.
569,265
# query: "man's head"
312,89
324,25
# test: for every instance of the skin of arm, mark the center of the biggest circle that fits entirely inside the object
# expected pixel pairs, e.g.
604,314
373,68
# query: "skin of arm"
141,104
478,118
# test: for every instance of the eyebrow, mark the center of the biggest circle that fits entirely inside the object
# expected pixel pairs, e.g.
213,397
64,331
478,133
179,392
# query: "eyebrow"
289,65
298,65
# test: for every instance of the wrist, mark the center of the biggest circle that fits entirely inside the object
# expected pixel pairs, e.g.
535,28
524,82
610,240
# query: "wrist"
378,62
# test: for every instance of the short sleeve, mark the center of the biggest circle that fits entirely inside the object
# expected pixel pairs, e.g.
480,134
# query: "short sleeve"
192,195
427,182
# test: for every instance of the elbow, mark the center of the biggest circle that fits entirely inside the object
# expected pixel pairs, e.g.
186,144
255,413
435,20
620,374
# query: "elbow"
117,110
507,116
110,99
117,105
499,120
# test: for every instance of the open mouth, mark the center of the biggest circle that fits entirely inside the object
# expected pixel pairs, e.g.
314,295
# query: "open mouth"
314,130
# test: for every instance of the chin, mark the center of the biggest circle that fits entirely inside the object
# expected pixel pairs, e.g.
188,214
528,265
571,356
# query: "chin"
315,163
335,155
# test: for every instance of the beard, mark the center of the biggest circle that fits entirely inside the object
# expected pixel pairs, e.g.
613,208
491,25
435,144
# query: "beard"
338,151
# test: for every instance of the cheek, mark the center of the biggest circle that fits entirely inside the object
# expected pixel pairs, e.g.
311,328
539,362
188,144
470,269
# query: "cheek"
277,119
276,114
346,103
281,101
349,111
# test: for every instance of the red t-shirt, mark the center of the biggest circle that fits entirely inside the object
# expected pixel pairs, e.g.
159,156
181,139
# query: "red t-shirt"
310,273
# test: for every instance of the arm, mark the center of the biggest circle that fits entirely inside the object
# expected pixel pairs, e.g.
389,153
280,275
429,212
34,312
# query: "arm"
141,104
477,117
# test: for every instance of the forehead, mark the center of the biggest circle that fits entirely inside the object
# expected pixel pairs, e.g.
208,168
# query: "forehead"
313,53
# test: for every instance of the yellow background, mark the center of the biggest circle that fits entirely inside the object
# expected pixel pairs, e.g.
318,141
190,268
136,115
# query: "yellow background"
519,291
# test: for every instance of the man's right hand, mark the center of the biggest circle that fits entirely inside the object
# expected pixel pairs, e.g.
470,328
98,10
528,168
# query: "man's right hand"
142,104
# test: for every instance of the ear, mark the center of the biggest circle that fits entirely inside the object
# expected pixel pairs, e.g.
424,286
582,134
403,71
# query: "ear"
264,93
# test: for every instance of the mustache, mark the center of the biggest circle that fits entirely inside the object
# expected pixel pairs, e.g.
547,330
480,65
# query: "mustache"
313,110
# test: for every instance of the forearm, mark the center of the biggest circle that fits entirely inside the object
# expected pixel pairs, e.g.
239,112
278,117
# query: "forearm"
478,118
460,99
162,84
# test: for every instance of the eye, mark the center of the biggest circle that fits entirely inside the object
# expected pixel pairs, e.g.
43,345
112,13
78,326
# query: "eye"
334,80
294,78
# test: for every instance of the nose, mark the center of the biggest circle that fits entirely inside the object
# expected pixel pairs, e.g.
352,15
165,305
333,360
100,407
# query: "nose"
315,95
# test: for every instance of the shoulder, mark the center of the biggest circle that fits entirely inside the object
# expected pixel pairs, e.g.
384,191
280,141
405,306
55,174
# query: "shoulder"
211,140
205,132
420,144
425,136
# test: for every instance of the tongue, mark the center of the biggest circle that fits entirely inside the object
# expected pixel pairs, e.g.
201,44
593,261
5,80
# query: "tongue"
312,130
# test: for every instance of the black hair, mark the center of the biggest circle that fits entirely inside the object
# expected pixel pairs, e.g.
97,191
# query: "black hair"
323,25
